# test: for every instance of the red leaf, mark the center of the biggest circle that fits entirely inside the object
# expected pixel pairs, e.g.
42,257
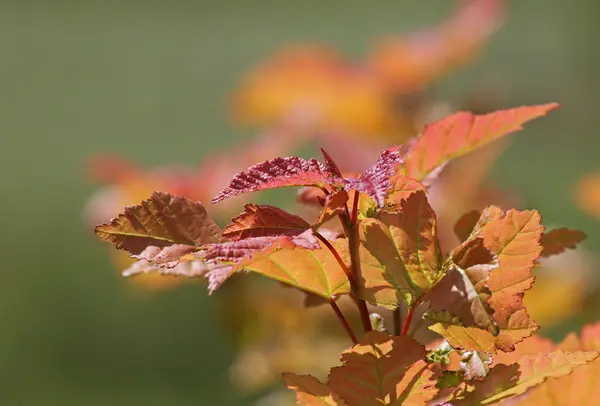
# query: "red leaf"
557,241
161,228
330,166
375,181
463,132
264,221
234,251
275,173
465,224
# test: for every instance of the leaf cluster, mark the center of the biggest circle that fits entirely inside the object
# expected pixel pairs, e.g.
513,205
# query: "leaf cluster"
387,255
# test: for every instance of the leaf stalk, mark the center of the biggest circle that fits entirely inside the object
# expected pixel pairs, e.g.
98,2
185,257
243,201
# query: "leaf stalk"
343,320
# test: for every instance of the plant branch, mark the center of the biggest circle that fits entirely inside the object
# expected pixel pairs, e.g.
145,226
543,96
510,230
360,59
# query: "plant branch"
354,244
342,320
354,217
362,306
336,254
407,321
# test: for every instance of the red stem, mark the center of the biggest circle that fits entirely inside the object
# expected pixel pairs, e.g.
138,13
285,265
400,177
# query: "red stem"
343,320
337,256
362,306
355,208
407,321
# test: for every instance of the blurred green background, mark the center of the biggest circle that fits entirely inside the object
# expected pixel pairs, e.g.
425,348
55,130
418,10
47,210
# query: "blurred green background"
149,79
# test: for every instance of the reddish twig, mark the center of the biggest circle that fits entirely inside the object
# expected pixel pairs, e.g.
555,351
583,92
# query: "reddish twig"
343,320
354,217
407,321
336,254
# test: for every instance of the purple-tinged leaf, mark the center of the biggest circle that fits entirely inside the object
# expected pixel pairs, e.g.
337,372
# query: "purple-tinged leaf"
330,166
190,269
375,181
275,173
234,251
217,276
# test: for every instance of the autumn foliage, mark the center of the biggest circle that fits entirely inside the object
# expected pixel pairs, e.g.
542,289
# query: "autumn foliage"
386,254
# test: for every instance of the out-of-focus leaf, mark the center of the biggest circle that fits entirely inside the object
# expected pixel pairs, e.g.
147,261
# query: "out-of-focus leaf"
558,240
514,238
578,388
411,63
400,254
161,228
384,370
375,181
311,392
315,271
463,132
463,291
275,173
465,224
264,221
316,90
530,370
587,194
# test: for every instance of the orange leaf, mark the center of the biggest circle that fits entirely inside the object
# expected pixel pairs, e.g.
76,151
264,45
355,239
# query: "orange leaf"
402,188
262,221
577,388
557,241
411,63
384,370
311,392
463,291
515,238
161,229
400,253
463,132
505,381
315,271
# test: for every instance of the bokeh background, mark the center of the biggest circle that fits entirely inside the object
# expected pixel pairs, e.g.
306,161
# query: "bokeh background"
150,80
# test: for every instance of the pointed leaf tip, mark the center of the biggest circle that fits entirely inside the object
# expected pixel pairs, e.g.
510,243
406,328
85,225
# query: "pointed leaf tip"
376,181
463,132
